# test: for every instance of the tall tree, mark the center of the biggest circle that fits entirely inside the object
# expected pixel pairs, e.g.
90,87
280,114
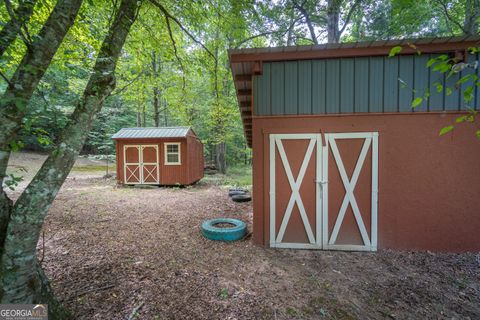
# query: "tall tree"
14,102
16,25
22,280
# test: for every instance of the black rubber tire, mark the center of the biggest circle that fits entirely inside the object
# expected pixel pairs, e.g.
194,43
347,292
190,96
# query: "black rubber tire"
235,192
242,197
210,231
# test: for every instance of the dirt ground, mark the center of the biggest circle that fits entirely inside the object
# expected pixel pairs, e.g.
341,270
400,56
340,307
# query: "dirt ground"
112,250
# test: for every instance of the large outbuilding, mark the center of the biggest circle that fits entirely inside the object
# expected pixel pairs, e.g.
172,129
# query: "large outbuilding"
341,161
161,156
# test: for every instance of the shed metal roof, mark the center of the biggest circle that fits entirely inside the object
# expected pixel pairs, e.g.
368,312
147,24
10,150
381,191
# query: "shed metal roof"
248,62
154,132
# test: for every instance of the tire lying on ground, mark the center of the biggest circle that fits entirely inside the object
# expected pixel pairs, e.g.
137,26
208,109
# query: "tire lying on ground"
235,192
242,197
215,229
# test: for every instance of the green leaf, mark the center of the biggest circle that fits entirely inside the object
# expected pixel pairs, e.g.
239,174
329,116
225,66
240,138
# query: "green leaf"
445,130
449,91
468,94
394,51
461,119
430,62
416,102
439,86
464,79
478,134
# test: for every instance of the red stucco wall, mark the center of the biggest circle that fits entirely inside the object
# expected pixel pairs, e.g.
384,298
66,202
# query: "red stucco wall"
429,186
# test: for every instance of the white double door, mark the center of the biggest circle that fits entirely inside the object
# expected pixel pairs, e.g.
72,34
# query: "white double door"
309,211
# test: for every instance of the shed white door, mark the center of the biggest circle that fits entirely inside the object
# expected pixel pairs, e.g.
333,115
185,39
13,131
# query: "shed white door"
141,164
295,211
303,213
132,171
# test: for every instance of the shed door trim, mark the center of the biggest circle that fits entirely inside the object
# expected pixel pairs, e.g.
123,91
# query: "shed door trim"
140,165
155,169
127,164
295,198
323,239
370,140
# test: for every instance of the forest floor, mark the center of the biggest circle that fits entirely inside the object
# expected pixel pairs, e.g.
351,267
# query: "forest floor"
111,250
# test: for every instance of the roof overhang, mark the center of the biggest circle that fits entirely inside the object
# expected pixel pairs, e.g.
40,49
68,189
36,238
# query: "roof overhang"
245,63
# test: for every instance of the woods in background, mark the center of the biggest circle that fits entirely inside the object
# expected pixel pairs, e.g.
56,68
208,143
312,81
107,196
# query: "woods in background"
168,77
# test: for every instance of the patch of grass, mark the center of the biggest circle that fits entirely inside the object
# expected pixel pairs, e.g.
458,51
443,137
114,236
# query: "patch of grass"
236,176
223,293
93,168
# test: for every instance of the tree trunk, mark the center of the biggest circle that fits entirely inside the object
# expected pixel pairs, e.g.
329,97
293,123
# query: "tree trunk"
139,118
165,112
333,14
472,16
13,27
156,92
220,159
311,29
13,103
21,282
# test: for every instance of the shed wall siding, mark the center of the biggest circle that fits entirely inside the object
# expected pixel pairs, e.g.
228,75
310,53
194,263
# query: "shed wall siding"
187,172
353,85
427,197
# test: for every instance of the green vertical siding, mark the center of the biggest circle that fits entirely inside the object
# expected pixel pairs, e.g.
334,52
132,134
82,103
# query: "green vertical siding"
262,93
333,86
347,77
291,87
452,101
420,81
305,91
436,100
363,84
390,87
319,87
405,81
278,88
469,71
376,85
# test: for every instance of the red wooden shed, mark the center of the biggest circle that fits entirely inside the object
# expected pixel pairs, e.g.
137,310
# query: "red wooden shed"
160,156
341,161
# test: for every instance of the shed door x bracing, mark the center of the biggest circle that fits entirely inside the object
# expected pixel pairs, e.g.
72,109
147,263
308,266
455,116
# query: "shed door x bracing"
141,164
323,191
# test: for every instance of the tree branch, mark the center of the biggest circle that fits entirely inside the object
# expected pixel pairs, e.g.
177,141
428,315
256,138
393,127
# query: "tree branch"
307,20
266,33
24,11
349,16
170,34
169,16
120,90
448,16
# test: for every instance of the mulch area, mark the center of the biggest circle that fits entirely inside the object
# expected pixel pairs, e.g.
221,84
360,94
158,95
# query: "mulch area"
112,250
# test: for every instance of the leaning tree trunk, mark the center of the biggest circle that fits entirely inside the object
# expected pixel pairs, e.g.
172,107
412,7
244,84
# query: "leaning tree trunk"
13,103
13,27
21,281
